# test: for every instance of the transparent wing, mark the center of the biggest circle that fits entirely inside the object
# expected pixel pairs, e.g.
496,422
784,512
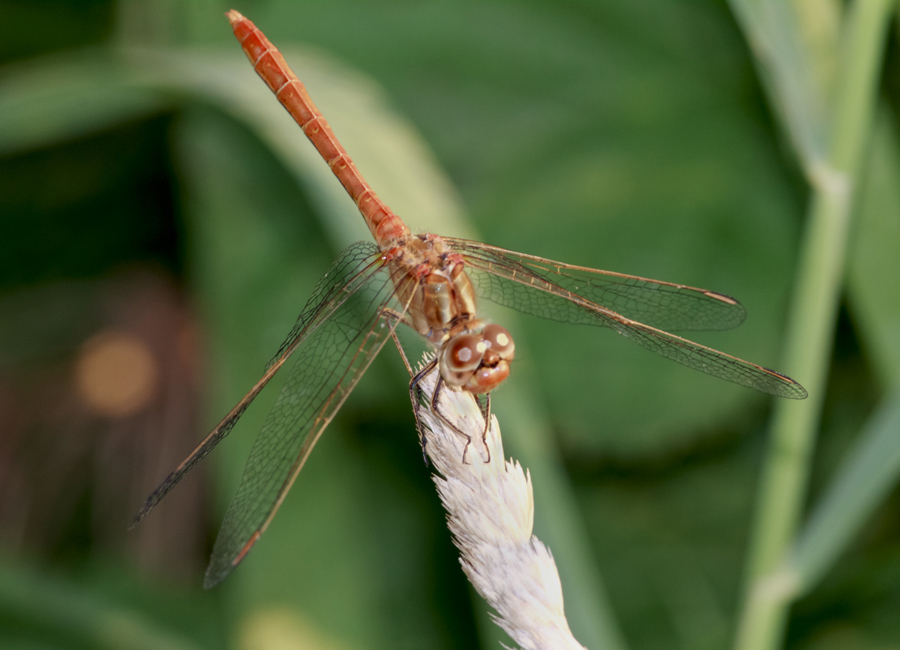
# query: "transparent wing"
357,263
328,364
658,304
568,293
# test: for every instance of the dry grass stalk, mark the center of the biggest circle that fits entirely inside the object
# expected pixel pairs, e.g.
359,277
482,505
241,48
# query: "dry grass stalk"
490,512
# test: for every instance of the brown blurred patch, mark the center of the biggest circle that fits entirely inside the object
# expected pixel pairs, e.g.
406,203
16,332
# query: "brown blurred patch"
116,374
99,396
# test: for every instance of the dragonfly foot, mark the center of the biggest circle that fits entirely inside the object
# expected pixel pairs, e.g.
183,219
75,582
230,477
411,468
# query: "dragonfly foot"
484,451
423,440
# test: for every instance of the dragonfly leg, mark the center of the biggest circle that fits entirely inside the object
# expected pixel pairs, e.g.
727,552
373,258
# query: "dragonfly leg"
434,409
435,396
486,413
402,352
415,391
387,313
415,394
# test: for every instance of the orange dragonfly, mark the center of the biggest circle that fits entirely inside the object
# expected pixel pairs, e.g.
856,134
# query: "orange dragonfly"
429,283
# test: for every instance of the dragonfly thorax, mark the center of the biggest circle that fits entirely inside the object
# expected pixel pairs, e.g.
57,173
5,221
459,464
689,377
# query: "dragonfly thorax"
442,294
473,355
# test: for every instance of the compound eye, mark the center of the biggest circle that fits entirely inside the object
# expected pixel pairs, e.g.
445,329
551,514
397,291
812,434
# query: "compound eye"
464,353
499,340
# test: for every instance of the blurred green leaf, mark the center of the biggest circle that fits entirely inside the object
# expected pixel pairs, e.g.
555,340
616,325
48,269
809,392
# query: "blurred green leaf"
873,265
61,98
814,311
796,48
61,614
870,471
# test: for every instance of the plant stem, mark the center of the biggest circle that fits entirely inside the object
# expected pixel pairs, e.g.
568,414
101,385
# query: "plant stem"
811,328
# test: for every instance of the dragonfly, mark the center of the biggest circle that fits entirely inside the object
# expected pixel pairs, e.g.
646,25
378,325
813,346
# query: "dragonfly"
431,284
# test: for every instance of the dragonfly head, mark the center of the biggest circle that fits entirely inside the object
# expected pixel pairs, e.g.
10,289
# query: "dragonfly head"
477,360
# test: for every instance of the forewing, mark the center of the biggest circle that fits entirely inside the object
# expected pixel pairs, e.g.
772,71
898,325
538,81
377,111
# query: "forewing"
326,368
566,293
353,268
533,285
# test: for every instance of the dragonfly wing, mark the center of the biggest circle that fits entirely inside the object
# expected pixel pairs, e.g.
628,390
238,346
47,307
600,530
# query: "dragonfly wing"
563,292
358,260
326,367
500,274
712,362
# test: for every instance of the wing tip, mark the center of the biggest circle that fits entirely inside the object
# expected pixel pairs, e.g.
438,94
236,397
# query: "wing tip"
138,517
788,388
148,505
793,390
216,572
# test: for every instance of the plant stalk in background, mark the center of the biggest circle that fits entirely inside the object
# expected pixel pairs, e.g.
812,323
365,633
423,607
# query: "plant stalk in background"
771,589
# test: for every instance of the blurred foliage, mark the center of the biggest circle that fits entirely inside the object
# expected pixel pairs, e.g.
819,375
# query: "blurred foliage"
152,188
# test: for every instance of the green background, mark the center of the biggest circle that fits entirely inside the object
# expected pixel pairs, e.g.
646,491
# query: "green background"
150,183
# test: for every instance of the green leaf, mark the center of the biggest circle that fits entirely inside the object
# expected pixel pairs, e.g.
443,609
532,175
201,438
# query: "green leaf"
62,98
796,48
869,472
56,613
873,265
